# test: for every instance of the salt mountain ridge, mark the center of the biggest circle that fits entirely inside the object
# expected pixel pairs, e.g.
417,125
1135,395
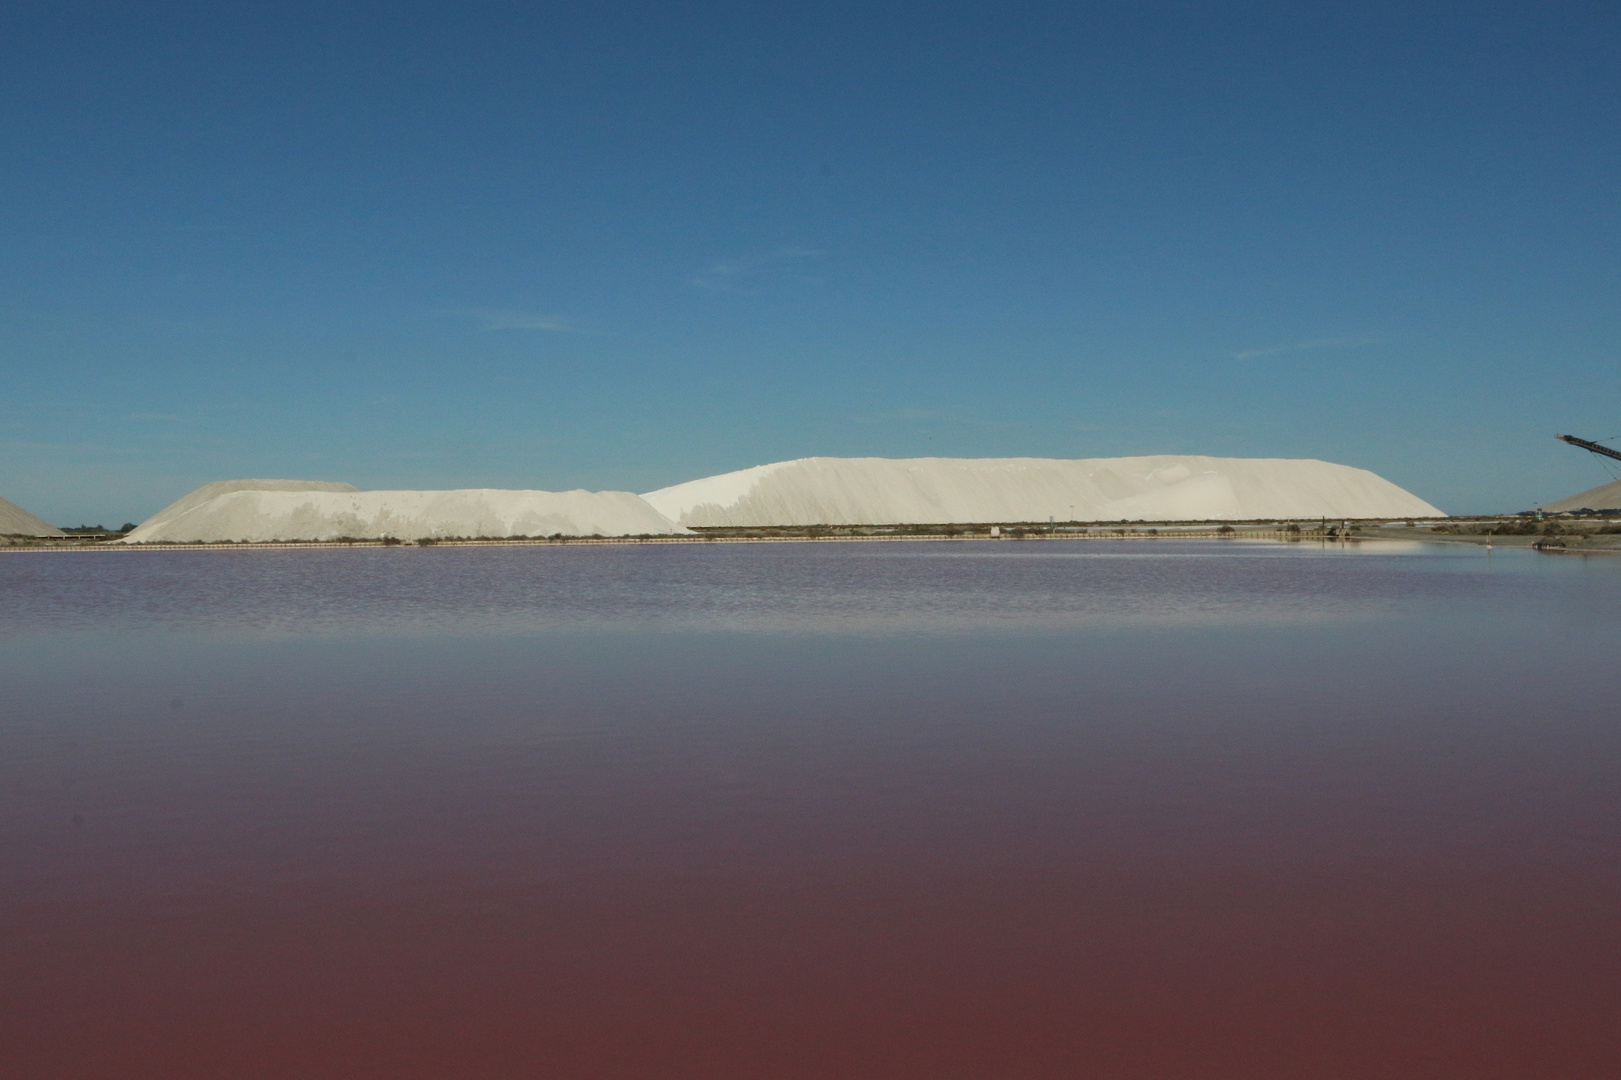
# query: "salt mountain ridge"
313,510
939,491
15,521
807,491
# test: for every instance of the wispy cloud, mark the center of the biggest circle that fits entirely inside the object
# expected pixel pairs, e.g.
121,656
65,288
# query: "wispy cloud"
496,319
509,319
1309,345
921,419
55,447
903,415
727,274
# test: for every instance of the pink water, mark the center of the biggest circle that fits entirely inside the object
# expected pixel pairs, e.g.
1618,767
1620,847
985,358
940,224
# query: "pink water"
822,811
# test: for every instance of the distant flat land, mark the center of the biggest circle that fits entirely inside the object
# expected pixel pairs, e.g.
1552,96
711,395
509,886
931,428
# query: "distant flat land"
1569,533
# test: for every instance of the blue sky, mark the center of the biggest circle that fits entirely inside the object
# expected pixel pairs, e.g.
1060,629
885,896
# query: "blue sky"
624,245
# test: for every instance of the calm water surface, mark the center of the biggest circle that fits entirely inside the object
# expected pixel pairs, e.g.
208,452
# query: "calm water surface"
935,810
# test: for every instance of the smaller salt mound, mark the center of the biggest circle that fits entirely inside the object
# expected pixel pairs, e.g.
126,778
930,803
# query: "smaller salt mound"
1603,497
259,515
152,526
15,521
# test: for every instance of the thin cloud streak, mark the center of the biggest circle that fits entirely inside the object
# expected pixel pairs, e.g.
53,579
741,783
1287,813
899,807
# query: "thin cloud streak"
1309,345
520,320
723,276
507,319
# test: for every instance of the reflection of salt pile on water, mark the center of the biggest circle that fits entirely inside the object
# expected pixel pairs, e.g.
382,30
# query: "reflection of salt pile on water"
262,510
883,491
15,521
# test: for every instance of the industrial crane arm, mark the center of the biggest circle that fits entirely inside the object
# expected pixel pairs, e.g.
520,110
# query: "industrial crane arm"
1604,451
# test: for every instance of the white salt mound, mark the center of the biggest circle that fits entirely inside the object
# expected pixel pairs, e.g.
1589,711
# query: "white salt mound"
260,513
810,491
1603,497
15,521
152,526
929,491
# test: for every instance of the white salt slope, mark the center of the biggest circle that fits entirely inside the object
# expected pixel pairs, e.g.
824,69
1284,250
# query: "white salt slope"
149,528
885,491
258,514
15,521
1603,497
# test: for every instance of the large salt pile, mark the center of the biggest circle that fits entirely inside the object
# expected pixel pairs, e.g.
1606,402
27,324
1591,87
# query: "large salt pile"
257,511
1603,497
884,491
152,526
15,521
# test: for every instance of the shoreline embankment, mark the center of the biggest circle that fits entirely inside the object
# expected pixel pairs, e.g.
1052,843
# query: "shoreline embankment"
1595,535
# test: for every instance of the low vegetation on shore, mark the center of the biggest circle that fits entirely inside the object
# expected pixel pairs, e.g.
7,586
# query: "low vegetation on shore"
1567,531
